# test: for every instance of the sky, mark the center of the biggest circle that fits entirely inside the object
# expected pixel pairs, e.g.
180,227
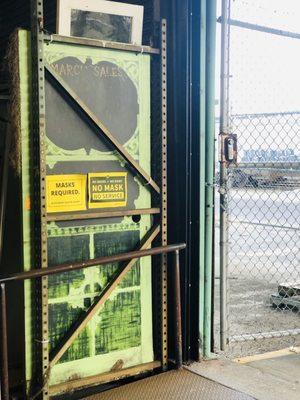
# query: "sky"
264,68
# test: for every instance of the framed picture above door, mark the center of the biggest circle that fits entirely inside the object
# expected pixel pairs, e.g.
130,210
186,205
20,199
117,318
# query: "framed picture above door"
101,19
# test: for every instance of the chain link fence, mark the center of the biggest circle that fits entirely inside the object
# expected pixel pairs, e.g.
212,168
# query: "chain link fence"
263,188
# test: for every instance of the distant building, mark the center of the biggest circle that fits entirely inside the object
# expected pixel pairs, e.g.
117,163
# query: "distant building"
269,155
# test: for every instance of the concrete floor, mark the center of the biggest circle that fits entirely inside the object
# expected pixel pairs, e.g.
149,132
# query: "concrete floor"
271,376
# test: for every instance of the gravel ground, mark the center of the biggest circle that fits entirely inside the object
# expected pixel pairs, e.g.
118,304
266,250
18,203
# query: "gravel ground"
250,312
264,251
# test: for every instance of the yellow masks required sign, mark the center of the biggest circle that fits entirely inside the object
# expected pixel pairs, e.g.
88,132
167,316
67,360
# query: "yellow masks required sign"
66,193
107,189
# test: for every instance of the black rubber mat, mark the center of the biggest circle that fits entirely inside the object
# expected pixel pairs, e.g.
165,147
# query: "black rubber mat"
173,385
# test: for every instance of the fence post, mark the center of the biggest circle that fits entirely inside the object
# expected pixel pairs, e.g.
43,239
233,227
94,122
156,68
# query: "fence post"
224,128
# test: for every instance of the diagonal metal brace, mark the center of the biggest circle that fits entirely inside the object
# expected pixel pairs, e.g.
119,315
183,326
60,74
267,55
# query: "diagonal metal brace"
108,135
99,302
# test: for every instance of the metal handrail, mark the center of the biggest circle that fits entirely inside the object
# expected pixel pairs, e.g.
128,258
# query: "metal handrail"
39,273
58,269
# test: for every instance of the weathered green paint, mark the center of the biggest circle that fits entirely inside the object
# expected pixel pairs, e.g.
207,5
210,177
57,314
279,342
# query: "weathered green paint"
24,58
72,293
123,328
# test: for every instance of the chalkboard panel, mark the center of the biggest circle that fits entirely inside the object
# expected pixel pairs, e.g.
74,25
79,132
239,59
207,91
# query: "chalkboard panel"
108,92
66,249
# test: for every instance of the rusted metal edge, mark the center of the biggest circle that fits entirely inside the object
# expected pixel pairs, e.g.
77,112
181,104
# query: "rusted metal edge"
102,214
40,325
82,322
103,378
100,43
107,134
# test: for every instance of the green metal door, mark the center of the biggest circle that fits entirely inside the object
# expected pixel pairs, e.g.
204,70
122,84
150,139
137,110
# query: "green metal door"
115,87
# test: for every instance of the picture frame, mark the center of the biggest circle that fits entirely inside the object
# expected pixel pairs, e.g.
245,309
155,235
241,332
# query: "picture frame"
101,19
